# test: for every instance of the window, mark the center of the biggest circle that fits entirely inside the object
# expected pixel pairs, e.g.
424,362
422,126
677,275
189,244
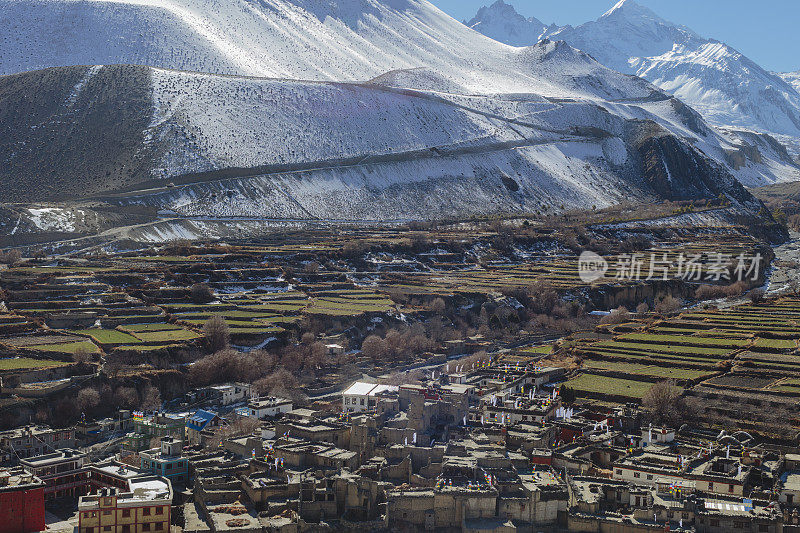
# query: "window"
710,486
126,513
160,526
126,528
146,511
106,528
730,488
650,477
159,510
619,471
637,475
145,527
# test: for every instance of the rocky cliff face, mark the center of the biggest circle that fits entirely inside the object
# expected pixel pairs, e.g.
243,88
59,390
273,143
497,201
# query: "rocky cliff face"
675,170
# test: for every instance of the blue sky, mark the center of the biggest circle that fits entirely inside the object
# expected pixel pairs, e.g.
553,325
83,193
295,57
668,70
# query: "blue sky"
765,31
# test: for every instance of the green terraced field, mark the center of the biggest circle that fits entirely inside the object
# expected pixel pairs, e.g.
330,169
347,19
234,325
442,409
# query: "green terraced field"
134,328
662,372
18,363
664,349
538,350
106,336
164,336
775,344
689,340
262,330
67,347
593,383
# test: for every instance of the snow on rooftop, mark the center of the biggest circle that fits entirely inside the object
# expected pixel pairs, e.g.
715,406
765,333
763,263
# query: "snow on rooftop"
359,388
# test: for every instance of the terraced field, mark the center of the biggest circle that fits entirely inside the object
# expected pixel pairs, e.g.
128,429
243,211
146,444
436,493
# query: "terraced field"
748,352
27,363
597,386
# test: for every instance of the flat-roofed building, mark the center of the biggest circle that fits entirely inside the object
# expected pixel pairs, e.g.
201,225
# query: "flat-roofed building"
21,502
361,396
268,407
61,471
166,461
32,441
144,508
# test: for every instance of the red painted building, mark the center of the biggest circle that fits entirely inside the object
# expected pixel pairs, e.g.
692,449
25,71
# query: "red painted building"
21,502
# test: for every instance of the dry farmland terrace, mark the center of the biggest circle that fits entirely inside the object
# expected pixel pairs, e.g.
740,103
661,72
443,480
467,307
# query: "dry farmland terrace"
132,312
140,302
741,364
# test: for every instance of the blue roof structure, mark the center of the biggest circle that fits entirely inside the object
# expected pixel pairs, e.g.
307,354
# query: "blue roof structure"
200,419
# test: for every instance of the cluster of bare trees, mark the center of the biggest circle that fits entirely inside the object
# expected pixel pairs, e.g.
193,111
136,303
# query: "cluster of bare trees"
99,399
398,345
231,365
10,257
270,373
666,404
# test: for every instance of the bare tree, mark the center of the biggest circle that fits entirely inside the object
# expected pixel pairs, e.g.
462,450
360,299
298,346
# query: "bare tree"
127,397
10,257
82,355
201,293
87,399
617,316
756,295
234,426
666,404
217,333
667,304
151,398
374,347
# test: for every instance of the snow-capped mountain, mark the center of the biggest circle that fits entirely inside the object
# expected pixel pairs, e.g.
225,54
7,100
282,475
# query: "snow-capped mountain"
346,109
792,78
501,22
726,87
335,40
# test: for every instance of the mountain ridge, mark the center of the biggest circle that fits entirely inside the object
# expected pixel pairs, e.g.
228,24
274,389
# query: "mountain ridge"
729,89
393,121
503,23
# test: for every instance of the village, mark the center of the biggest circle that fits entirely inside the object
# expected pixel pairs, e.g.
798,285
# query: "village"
448,379
489,447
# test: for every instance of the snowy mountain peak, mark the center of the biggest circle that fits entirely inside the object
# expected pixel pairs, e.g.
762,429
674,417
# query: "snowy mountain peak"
501,22
628,8
726,87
